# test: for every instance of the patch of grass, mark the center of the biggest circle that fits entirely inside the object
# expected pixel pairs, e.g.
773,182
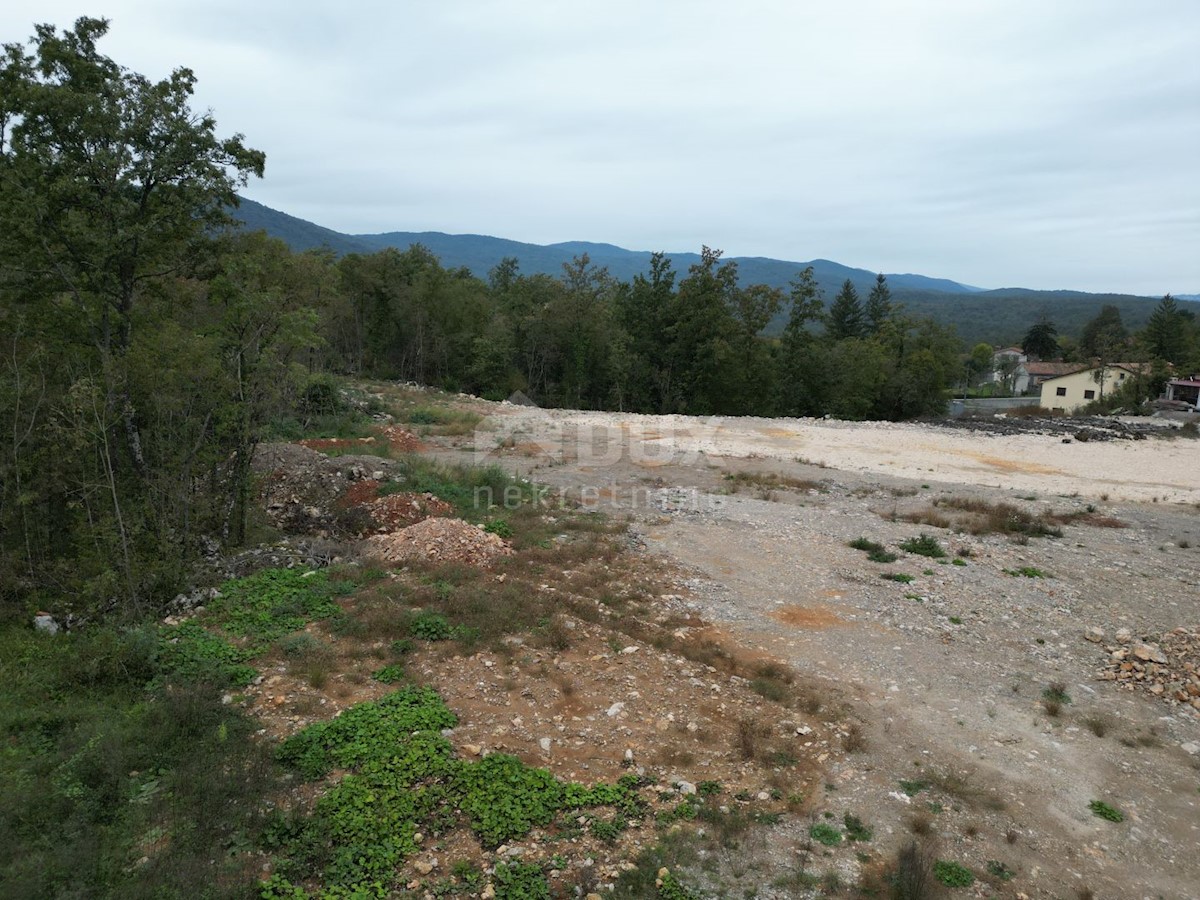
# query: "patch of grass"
1054,698
273,603
444,421
899,577
1102,810
391,674
430,626
116,746
769,481
924,545
856,829
912,788
826,834
999,870
953,874
403,777
193,653
475,492
975,516
875,551
769,689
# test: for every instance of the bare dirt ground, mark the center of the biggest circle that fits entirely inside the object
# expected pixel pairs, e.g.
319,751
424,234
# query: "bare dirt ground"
947,672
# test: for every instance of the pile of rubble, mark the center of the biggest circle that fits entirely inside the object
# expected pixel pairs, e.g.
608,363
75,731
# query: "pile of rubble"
401,441
402,510
1169,669
300,486
438,540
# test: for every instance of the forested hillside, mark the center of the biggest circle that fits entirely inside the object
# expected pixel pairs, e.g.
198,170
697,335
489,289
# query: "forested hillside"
999,317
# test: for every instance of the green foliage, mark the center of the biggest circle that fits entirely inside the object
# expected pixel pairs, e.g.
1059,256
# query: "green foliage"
867,546
826,834
1056,693
365,732
1102,810
429,626
390,674
273,603
196,654
504,798
912,788
608,830
499,527
668,887
925,545
520,881
856,829
953,874
472,490
997,869
1025,572
113,750
901,577
708,788
1041,340
685,810
875,551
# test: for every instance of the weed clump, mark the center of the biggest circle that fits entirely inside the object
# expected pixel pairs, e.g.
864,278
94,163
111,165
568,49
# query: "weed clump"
1054,698
953,874
1102,810
925,545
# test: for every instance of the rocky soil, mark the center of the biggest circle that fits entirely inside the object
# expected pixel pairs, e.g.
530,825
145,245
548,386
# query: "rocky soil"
989,680
981,702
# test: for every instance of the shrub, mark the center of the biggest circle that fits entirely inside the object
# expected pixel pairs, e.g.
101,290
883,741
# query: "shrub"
856,829
825,834
499,527
1054,698
999,870
430,626
953,874
925,545
899,577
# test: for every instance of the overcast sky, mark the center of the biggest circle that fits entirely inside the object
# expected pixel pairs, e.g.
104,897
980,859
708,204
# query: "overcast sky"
996,142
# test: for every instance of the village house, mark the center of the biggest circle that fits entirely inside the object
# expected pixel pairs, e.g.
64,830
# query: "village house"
1071,390
1030,375
1185,390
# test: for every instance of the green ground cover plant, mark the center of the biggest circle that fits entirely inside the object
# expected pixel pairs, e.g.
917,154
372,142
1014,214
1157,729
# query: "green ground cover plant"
403,777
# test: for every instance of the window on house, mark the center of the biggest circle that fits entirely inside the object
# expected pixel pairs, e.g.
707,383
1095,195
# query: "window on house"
1089,395
1060,392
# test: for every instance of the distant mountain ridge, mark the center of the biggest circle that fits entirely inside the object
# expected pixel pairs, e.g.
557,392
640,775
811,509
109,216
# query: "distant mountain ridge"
997,316
481,252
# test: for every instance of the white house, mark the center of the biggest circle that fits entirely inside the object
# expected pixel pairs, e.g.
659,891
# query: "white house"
1068,392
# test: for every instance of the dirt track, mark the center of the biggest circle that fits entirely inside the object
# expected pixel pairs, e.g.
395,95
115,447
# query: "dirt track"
947,672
